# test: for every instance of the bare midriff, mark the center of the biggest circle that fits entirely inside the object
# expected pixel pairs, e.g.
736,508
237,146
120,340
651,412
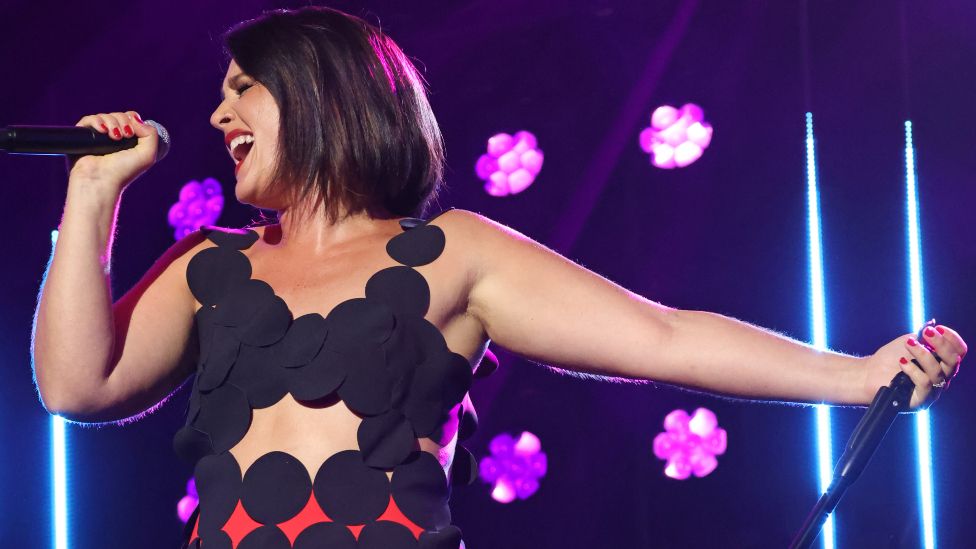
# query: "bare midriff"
312,434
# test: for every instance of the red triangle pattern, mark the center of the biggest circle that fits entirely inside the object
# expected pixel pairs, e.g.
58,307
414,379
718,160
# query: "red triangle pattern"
240,524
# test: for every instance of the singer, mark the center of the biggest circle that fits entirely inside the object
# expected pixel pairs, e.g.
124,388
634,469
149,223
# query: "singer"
332,350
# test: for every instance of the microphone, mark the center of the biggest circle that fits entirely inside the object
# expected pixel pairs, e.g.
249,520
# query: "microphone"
72,140
888,403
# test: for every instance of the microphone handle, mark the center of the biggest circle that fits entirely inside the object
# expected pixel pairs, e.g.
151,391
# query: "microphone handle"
58,140
887,404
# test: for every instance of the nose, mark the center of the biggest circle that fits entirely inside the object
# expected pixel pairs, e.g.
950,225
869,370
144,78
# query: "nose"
223,114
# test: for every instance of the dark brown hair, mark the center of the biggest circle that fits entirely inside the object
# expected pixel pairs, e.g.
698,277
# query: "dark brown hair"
356,129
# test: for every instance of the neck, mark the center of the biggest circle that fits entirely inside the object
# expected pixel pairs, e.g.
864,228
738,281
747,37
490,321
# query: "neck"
314,231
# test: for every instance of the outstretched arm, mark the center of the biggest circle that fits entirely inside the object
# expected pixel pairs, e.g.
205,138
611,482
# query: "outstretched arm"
545,307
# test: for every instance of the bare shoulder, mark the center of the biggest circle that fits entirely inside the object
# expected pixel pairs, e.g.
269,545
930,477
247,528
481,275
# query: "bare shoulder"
470,227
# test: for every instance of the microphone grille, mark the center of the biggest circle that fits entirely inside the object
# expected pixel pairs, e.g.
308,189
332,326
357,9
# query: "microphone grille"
163,147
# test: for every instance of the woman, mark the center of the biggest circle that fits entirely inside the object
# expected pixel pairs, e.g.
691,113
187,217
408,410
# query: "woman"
333,351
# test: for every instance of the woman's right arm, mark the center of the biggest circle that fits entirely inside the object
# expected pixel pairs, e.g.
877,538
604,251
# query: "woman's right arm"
95,361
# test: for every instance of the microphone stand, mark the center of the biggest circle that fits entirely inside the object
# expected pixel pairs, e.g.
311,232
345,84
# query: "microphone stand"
870,431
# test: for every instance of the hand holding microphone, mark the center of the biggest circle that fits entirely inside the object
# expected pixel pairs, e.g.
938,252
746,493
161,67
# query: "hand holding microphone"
107,150
117,169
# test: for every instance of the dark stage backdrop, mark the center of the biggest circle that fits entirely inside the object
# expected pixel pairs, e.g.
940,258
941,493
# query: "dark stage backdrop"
726,234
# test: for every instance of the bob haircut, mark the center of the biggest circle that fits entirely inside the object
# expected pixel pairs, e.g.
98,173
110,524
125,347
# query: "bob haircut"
356,129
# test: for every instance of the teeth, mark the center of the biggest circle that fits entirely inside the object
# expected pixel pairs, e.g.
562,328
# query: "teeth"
240,140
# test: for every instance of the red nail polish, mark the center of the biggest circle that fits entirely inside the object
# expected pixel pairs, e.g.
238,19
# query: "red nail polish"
929,332
128,130
138,118
104,127
940,329
903,360
116,132
911,343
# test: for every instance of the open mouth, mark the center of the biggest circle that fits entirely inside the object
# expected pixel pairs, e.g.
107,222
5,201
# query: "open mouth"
239,147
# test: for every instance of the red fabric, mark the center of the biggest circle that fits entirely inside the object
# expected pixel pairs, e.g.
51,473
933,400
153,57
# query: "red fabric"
240,524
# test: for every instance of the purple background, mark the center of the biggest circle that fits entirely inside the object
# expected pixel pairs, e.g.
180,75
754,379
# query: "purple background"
726,234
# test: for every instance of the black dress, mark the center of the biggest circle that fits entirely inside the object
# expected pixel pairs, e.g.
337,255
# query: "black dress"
377,353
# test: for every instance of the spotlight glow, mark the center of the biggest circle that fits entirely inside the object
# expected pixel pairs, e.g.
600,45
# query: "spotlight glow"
511,163
676,138
923,437
818,321
689,444
514,466
189,502
199,204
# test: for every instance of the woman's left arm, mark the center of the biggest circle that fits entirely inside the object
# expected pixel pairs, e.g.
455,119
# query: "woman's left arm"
537,303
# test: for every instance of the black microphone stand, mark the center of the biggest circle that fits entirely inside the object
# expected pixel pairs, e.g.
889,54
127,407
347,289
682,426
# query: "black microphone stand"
870,431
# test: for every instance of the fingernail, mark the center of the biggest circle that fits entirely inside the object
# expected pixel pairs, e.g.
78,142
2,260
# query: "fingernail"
903,360
138,118
116,132
128,130
929,332
104,127
940,329
911,342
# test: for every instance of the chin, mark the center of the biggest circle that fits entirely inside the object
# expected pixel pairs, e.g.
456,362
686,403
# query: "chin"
253,197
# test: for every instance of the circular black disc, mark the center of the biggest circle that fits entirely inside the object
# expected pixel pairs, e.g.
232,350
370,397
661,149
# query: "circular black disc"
240,239
212,272
402,289
386,440
276,487
303,340
191,444
418,246
385,534
268,536
349,491
448,537
218,479
421,491
225,415
324,535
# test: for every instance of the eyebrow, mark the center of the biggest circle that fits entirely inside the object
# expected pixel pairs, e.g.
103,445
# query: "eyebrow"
231,83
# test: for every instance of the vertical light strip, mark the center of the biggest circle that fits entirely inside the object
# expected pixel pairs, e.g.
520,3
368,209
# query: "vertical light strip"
818,318
60,482
59,472
923,438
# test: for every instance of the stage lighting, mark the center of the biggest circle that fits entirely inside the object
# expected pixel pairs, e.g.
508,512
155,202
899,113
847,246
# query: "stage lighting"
189,502
689,444
676,137
511,163
199,204
514,466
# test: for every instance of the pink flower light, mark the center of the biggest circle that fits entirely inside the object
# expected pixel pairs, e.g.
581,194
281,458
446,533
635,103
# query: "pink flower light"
514,466
511,163
199,204
676,137
189,502
690,443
